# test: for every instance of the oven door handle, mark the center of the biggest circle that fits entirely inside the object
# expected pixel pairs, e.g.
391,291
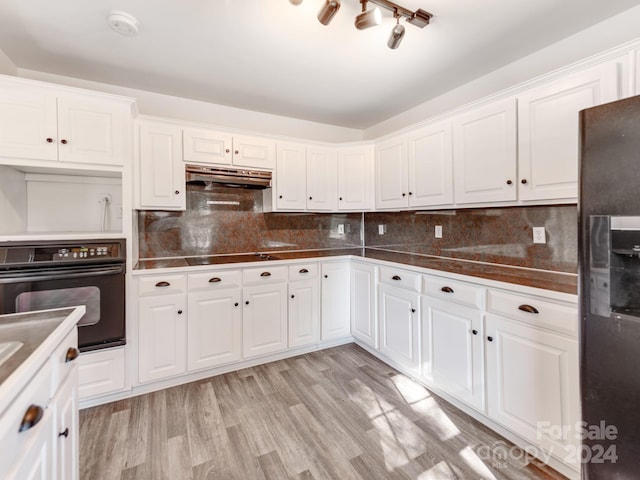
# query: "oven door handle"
60,274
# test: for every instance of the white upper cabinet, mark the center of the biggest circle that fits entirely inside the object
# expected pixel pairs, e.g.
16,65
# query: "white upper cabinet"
430,166
392,181
548,127
37,124
354,178
161,177
224,149
484,154
322,179
291,174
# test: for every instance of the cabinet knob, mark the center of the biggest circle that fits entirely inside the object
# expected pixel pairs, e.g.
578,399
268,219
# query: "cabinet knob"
63,141
64,434
326,276
396,277
49,140
523,181
227,151
410,193
279,196
413,310
490,339
162,284
31,417
72,354
310,198
293,296
340,198
215,280
265,274
177,192
528,309
179,312
509,182
447,289
404,194
236,152
303,270
475,332
236,304
247,302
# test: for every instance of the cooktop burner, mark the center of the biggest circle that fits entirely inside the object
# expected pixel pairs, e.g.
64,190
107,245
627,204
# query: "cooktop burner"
221,259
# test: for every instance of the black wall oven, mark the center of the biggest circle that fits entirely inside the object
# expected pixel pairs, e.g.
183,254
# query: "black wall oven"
55,274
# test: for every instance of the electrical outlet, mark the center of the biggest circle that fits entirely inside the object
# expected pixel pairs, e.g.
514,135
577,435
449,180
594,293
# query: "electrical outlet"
539,235
382,229
438,231
341,229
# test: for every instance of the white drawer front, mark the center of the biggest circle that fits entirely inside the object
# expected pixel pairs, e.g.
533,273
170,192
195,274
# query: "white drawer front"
101,372
215,280
401,279
462,293
535,311
162,284
303,271
266,274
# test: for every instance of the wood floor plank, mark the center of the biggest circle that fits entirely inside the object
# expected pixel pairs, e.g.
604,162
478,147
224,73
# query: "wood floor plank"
334,414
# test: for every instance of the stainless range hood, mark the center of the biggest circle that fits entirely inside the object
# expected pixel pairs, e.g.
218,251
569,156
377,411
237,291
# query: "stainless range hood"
228,177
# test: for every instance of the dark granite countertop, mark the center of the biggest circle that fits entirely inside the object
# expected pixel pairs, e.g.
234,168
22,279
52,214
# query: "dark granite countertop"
548,280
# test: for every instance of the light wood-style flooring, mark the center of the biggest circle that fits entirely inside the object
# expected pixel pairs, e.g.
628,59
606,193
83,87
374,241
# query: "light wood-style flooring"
335,414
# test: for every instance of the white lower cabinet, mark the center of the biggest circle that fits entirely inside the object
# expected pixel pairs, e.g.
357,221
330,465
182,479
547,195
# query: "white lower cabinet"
398,316
101,372
532,383
162,337
214,328
363,304
452,350
335,304
304,313
66,432
264,319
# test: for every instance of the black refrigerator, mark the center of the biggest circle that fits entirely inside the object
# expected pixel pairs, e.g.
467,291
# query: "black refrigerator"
609,266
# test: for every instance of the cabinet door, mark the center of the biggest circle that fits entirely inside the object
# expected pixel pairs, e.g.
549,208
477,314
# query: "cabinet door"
484,154
363,313
392,181
335,307
66,432
206,146
354,178
549,130
452,350
161,172
254,152
37,462
162,337
28,124
291,178
264,322
431,166
304,313
92,131
214,328
398,314
322,179
532,382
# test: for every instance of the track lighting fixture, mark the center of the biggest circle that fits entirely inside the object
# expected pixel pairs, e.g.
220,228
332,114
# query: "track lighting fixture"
397,33
328,11
370,18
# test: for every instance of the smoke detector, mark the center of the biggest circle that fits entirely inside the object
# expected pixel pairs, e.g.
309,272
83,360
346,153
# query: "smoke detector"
123,23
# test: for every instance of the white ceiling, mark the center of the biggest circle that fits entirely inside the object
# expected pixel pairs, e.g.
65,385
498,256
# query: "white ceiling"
271,56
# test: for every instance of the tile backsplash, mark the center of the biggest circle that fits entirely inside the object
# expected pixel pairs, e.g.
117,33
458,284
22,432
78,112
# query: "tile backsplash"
223,220
495,235
220,220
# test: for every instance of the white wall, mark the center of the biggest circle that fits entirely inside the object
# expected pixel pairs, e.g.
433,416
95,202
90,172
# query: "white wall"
62,203
13,201
6,65
605,35
151,103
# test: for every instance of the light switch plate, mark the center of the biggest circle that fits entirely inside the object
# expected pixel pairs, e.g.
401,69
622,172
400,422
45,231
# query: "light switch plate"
382,229
341,229
438,231
539,235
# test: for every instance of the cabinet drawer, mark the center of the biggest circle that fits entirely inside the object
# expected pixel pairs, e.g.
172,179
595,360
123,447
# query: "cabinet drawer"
303,271
266,274
101,372
162,284
63,359
401,278
462,293
35,395
215,280
554,316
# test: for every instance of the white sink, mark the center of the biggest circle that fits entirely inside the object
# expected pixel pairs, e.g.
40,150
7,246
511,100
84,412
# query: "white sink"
7,349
